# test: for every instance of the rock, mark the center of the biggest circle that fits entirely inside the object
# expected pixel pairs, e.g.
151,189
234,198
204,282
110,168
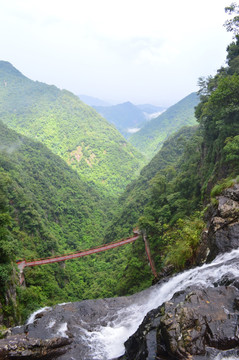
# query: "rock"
232,192
64,331
227,207
24,347
186,327
223,240
223,227
166,271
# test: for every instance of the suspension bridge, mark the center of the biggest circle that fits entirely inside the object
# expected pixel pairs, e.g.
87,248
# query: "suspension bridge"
23,263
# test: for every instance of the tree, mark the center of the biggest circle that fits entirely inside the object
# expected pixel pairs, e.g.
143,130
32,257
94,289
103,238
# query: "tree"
232,25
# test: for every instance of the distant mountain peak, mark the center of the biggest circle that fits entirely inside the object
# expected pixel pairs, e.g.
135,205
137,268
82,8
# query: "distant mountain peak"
8,68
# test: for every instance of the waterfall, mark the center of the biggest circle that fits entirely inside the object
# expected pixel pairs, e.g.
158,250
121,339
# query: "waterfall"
101,327
107,342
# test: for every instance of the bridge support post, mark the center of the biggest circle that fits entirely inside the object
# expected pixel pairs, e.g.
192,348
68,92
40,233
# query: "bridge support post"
147,249
22,278
21,265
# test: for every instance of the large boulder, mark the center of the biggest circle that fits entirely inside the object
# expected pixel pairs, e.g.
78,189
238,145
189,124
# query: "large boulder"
223,231
21,346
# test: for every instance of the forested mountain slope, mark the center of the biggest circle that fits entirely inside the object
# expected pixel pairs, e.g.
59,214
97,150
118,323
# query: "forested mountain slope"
71,129
46,210
151,136
132,202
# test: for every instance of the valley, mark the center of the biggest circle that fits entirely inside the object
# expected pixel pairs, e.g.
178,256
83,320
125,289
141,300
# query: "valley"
72,180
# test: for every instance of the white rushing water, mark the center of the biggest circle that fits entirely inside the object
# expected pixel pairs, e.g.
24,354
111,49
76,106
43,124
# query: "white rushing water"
32,317
107,342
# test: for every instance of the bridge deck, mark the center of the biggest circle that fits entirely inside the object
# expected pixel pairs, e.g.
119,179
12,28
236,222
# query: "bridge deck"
22,264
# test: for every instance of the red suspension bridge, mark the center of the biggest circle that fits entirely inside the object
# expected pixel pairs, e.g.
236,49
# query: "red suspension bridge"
23,263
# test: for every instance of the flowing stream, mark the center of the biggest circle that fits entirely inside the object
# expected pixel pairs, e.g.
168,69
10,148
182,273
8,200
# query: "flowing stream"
105,340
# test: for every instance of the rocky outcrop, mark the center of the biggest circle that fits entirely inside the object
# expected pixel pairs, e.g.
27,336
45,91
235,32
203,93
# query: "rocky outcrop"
223,230
23,347
222,233
63,331
193,325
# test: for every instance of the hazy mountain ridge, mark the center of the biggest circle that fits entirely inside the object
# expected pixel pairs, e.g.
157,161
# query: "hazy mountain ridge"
93,101
124,116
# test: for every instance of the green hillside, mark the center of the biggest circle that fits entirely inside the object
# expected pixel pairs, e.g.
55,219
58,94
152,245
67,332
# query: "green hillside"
71,129
46,210
137,194
151,136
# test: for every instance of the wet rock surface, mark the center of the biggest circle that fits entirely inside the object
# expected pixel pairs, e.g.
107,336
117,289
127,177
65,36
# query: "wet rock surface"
23,347
61,332
223,230
195,324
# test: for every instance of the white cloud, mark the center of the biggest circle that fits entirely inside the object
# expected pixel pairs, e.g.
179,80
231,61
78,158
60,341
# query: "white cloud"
133,130
138,50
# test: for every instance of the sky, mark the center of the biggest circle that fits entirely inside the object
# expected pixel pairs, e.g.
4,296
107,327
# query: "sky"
143,51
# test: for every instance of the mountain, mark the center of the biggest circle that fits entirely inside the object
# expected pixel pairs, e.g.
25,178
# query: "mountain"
136,196
180,198
45,210
126,117
71,129
92,101
152,135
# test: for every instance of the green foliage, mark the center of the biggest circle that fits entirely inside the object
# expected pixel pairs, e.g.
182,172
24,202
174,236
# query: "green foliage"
7,242
150,138
223,184
137,195
231,149
232,25
30,299
217,114
182,240
46,210
166,190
